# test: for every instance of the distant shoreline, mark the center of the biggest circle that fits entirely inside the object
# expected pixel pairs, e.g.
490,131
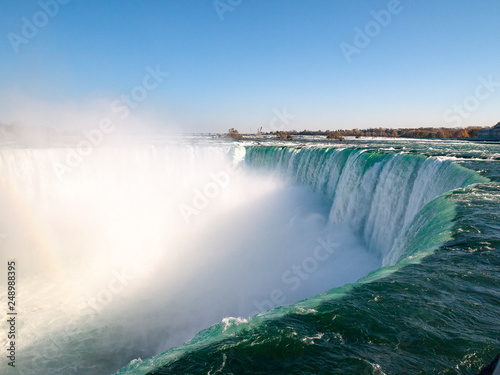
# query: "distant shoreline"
470,132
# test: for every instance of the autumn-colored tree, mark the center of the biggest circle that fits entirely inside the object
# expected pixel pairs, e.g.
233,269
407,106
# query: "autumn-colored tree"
284,135
462,133
233,133
440,134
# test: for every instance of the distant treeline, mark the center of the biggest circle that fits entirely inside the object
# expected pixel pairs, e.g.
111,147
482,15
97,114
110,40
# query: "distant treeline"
469,132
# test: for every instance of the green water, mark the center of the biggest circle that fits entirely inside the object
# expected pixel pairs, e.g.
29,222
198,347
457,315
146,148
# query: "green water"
437,314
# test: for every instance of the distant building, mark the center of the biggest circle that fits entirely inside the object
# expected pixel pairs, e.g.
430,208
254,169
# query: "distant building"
490,134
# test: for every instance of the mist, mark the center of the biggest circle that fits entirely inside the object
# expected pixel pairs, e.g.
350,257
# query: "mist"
137,247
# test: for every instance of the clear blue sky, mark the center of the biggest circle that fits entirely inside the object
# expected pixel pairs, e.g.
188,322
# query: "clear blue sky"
237,68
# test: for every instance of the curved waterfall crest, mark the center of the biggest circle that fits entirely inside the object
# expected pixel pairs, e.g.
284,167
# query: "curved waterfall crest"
381,195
